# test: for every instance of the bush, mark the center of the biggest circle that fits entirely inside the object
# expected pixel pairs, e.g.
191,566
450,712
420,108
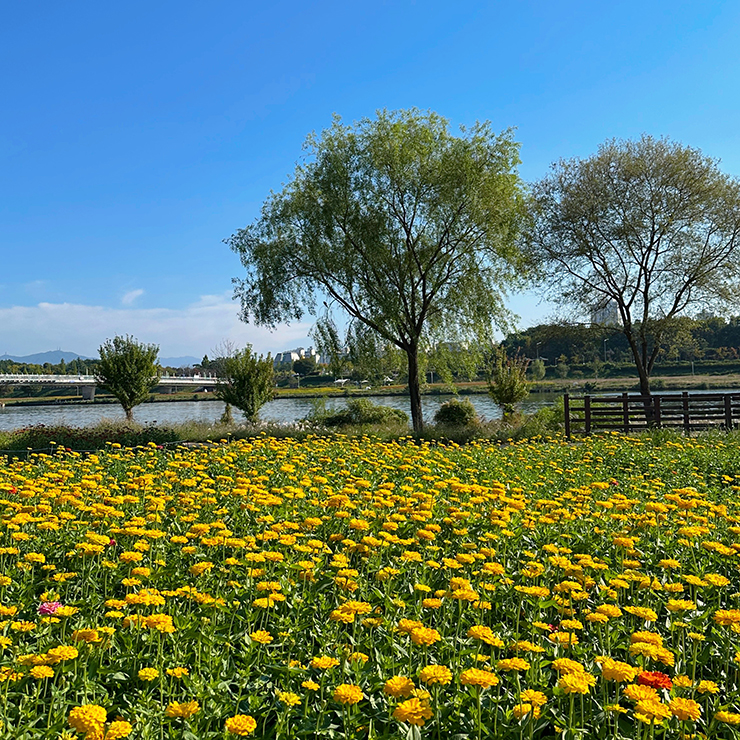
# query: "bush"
44,438
545,420
506,377
455,413
359,411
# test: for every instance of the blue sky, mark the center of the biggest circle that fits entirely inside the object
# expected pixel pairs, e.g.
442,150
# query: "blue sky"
137,136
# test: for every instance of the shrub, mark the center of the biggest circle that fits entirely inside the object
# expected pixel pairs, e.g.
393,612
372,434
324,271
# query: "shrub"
456,413
42,437
359,411
506,376
544,420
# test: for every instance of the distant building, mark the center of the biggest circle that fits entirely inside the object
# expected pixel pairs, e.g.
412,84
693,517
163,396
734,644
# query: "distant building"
286,358
299,353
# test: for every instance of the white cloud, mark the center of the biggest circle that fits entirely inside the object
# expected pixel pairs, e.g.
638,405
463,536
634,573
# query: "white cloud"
131,296
193,330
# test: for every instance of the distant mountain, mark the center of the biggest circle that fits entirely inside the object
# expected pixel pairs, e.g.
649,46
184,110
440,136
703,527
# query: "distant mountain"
54,357
186,361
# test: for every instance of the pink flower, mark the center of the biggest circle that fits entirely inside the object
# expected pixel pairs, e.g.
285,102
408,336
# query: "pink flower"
49,607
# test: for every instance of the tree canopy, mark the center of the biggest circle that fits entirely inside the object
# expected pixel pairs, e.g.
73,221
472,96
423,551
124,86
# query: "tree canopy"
648,227
128,369
409,229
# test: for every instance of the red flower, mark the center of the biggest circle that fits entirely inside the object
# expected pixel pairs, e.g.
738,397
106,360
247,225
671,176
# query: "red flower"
655,679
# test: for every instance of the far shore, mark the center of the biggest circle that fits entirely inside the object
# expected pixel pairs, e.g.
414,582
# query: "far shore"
661,384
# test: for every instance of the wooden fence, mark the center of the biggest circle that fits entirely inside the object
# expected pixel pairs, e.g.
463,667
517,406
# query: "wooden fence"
632,413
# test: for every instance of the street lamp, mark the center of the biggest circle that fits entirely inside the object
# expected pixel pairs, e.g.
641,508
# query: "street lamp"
605,341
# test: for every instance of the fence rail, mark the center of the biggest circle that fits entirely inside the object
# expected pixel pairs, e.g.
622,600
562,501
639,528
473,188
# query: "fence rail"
632,413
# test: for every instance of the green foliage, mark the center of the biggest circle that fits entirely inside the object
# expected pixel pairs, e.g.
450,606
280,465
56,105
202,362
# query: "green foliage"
649,228
404,226
328,342
73,367
372,357
456,413
49,438
128,370
227,418
507,379
547,420
453,361
537,369
358,412
247,381
304,366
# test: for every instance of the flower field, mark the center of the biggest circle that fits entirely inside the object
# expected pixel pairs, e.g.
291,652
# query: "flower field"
341,588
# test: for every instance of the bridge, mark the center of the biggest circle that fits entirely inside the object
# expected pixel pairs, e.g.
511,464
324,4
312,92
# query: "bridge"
88,383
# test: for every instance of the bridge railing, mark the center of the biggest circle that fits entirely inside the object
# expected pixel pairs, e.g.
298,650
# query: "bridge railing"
40,378
20,379
633,413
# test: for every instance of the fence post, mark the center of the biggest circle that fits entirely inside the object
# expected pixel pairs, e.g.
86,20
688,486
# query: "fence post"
728,412
626,412
686,417
566,409
656,400
587,413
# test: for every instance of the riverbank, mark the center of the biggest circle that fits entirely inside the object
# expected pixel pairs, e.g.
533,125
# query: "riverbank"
559,386
50,438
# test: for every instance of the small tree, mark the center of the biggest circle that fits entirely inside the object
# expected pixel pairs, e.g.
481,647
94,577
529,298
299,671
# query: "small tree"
128,369
538,369
246,381
507,379
304,366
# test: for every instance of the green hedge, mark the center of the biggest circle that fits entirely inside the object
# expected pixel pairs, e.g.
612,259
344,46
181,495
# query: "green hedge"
43,437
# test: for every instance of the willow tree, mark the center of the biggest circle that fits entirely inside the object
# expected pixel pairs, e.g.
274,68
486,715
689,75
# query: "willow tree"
403,225
649,228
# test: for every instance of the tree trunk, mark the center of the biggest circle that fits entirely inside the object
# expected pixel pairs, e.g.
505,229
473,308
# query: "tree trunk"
644,376
412,353
129,414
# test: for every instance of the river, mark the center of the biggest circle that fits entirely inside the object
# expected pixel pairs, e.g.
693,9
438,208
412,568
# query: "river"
281,411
